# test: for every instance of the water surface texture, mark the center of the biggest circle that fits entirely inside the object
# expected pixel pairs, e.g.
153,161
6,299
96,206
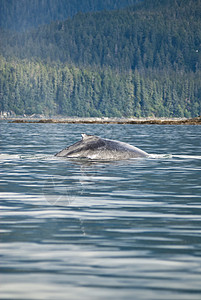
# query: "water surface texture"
92,230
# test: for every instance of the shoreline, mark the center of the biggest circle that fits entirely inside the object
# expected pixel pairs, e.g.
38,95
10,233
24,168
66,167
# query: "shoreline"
77,120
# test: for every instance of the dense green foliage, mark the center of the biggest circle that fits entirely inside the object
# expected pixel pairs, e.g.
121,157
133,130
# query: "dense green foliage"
141,61
21,15
33,87
169,37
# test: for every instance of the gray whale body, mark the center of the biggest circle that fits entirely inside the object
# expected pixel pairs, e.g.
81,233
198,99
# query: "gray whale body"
96,148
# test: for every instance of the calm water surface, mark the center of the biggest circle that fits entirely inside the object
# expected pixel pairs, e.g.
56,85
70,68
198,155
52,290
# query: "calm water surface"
118,230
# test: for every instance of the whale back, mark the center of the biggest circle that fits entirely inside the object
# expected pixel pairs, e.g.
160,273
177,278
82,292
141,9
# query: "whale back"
94,147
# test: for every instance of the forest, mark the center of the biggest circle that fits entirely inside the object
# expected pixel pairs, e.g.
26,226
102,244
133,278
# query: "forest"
25,14
140,61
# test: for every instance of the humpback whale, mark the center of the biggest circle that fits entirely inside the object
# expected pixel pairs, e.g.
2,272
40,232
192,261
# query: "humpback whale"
97,148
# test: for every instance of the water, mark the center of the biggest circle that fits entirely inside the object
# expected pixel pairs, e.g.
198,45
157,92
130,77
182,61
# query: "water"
118,230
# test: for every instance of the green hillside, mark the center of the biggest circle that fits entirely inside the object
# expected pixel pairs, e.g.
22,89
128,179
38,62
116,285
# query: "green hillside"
162,36
21,15
140,61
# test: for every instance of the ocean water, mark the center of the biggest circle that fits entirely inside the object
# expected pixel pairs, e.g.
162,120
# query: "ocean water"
100,230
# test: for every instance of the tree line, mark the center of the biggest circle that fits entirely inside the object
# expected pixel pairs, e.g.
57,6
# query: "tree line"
28,87
142,61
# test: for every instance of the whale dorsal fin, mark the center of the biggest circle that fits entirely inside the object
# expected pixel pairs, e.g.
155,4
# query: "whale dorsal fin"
87,136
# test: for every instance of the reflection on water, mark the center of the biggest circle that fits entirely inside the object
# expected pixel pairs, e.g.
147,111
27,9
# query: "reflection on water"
92,230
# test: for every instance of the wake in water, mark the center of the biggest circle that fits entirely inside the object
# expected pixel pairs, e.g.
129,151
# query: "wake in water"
187,156
164,156
5,157
40,157
159,156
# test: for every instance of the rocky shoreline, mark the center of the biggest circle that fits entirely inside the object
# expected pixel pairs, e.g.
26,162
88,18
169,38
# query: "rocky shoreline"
76,120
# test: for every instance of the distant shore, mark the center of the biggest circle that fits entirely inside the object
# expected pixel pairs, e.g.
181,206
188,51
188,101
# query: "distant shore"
77,120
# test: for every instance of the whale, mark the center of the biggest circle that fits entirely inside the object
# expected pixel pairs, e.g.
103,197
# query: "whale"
96,148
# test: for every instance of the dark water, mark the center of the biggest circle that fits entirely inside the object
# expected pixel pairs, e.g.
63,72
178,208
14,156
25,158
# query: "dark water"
122,230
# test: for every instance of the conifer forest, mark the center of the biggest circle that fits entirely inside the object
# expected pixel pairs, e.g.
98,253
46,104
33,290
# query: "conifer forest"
114,59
